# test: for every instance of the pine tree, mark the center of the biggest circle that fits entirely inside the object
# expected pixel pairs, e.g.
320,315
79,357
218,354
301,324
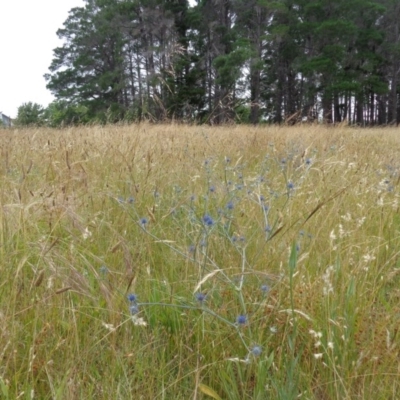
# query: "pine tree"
88,68
213,60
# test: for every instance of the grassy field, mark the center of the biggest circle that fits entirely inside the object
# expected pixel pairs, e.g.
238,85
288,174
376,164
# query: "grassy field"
176,262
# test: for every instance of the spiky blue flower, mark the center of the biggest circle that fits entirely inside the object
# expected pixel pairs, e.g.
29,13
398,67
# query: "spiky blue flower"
241,319
200,297
143,221
132,298
265,288
256,351
208,220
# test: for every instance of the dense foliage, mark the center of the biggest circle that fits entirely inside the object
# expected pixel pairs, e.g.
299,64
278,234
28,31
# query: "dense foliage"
30,114
233,60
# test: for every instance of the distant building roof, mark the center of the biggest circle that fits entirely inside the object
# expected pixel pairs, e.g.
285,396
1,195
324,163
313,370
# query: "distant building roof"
7,121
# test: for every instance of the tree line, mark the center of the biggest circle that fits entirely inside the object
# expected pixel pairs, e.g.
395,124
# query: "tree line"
221,61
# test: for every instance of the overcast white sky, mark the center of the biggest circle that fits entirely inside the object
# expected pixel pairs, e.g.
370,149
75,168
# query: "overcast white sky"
27,39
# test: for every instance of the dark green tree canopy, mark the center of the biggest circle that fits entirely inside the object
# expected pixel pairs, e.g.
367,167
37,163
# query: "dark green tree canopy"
210,60
30,114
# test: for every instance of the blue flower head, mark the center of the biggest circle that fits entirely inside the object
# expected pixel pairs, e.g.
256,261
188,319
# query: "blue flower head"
143,221
132,298
290,185
265,288
256,351
200,297
208,220
230,205
241,319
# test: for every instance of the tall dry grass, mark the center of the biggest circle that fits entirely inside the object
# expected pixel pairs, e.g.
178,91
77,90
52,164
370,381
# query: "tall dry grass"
261,262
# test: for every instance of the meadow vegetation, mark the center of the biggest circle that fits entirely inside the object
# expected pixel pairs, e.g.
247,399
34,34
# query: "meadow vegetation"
177,262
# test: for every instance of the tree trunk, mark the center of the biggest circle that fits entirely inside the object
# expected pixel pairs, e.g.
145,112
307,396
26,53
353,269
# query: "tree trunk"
337,115
381,110
360,110
254,94
327,108
372,109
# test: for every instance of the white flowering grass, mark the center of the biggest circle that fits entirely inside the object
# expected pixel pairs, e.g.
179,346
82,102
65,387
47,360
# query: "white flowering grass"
176,262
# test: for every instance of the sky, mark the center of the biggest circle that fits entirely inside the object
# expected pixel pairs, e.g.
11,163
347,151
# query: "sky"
27,39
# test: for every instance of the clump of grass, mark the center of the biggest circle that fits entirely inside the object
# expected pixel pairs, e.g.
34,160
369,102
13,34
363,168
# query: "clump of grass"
193,262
